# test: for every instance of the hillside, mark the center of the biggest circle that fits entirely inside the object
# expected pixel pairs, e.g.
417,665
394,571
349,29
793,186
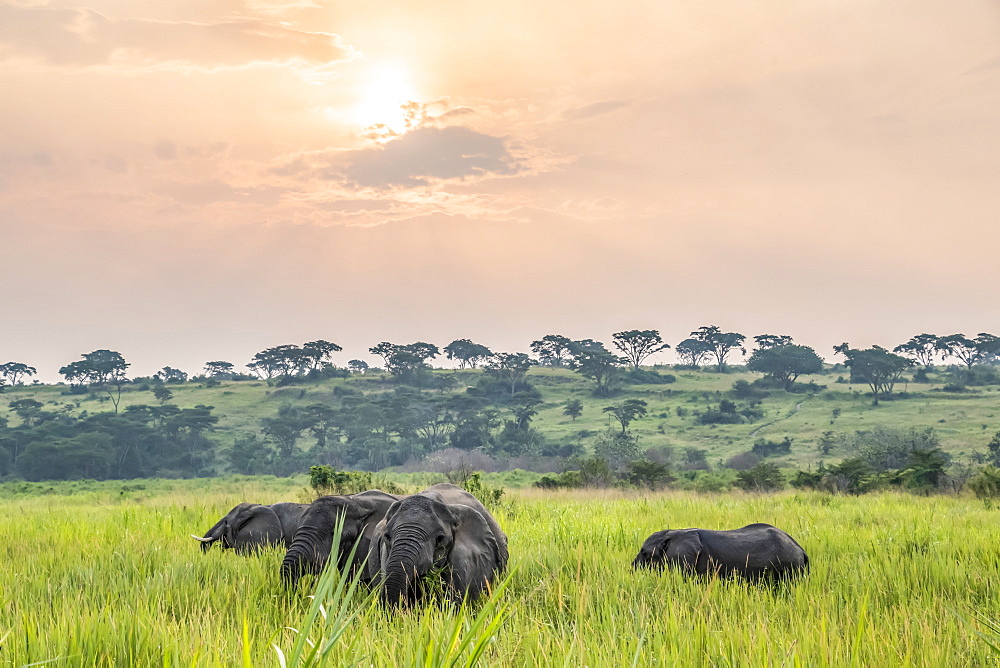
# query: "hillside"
963,421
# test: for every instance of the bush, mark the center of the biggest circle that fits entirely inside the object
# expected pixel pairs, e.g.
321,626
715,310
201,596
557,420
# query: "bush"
648,377
326,480
766,448
743,461
986,484
488,495
765,477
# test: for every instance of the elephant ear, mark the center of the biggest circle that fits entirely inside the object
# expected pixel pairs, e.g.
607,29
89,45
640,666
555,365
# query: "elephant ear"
379,553
363,514
257,527
475,556
684,550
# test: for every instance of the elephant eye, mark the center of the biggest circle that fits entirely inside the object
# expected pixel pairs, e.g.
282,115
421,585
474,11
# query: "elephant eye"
440,538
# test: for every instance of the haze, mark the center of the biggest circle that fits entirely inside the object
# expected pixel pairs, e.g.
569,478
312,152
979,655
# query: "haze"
201,179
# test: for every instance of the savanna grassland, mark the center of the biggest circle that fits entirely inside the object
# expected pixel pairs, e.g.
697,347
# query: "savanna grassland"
105,574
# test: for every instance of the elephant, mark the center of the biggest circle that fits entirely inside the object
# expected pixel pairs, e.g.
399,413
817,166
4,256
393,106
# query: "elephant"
442,528
757,552
250,527
309,550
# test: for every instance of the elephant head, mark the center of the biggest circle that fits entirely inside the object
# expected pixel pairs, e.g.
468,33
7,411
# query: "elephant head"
310,548
680,547
422,533
245,528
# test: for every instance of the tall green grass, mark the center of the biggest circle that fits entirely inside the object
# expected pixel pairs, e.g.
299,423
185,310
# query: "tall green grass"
107,580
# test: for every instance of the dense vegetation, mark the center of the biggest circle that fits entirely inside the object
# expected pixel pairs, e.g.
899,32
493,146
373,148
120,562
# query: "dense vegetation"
108,577
573,410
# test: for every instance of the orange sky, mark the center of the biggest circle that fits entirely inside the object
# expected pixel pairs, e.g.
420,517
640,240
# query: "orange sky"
195,180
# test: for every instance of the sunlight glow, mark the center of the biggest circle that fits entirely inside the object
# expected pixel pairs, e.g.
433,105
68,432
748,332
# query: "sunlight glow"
381,107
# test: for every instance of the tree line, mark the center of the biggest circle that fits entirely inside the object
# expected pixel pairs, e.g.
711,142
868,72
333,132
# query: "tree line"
422,414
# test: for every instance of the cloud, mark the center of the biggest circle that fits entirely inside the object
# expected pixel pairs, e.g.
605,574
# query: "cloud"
79,37
411,160
593,110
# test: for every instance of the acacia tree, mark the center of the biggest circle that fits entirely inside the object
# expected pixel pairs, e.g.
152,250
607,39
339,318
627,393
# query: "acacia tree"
692,352
358,366
980,350
409,361
785,363
219,369
383,350
511,368
100,367
721,343
875,366
13,371
921,348
627,411
467,353
552,349
319,352
765,341
637,344
592,360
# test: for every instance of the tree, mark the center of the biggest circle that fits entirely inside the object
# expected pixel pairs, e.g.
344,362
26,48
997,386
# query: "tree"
921,348
984,348
692,352
319,352
100,367
721,344
169,374
785,362
764,477
637,344
573,409
552,349
162,393
627,411
409,361
652,475
616,449
510,368
219,369
358,366
875,366
467,353
593,361
993,448
765,341
383,350
13,371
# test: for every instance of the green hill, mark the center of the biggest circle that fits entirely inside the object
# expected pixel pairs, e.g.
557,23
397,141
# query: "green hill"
394,422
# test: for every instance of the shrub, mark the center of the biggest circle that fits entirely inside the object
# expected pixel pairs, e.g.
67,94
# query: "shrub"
766,448
326,480
765,477
986,484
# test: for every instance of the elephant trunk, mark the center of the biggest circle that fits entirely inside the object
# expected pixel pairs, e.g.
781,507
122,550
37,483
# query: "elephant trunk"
308,553
402,569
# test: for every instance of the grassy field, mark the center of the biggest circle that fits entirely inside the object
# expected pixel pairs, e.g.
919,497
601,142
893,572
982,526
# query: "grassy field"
964,422
105,574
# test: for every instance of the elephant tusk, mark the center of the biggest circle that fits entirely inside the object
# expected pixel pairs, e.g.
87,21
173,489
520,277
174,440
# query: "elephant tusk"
203,540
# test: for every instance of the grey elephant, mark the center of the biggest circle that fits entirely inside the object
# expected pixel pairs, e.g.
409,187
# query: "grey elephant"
250,527
445,529
310,549
757,552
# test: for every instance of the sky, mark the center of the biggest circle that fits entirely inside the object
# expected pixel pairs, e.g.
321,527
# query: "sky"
198,180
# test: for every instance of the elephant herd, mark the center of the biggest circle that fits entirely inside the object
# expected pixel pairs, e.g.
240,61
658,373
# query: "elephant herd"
444,538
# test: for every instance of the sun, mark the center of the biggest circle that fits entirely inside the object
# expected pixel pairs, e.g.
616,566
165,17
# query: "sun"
382,100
